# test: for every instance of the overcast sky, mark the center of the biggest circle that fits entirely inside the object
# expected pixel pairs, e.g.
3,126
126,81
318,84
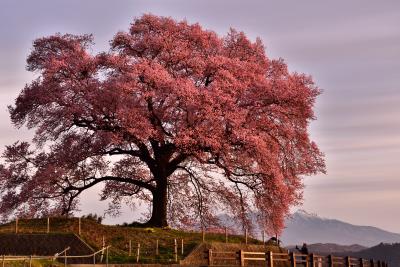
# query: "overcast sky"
351,48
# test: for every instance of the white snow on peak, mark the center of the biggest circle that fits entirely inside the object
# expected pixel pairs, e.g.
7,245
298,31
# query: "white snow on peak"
307,215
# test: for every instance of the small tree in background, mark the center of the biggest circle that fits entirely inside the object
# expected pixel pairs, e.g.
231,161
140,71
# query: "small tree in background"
175,115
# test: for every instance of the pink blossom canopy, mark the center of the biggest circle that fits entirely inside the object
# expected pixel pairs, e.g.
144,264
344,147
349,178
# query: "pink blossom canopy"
174,115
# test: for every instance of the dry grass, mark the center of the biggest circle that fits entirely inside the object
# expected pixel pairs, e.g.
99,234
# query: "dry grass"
118,237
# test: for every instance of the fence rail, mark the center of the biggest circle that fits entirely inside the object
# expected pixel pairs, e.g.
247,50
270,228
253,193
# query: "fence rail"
271,259
60,255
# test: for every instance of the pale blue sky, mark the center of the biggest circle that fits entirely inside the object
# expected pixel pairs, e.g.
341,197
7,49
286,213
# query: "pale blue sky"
351,48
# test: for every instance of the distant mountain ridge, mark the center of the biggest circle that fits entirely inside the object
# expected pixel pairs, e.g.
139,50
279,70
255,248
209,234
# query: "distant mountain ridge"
389,253
309,228
329,248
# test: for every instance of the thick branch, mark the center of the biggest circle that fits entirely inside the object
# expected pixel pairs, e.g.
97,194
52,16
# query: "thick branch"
154,119
147,185
119,151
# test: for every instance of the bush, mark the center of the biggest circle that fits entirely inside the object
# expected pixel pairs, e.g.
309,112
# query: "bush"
93,217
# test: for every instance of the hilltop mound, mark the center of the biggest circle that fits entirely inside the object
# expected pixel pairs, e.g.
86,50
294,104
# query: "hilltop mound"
119,238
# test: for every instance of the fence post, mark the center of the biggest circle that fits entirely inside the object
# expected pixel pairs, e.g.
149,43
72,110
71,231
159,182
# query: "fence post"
30,261
157,247
293,259
130,248
102,252
2,262
107,256
371,263
65,258
246,233
347,263
204,235
312,260
182,246
263,237
94,259
241,257
361,262
16,225
79,226
48,225
176,250
138,252
330,260
226,235
210,259
270,259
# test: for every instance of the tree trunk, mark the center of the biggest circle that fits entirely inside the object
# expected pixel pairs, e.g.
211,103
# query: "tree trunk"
159,205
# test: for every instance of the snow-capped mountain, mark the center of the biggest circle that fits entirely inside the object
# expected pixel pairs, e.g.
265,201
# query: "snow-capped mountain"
309,228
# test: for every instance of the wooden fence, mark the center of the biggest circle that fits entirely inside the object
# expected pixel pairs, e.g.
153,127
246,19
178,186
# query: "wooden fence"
271,259
102,256
137,251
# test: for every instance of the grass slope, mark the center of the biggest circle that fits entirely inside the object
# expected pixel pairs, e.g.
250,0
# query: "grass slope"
119,236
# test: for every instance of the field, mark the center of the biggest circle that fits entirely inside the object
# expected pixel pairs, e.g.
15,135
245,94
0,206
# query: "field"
124,240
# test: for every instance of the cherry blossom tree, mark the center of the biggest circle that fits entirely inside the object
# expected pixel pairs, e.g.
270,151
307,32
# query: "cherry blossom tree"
193,123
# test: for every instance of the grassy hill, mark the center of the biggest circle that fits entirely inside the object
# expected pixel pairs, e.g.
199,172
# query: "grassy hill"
118,237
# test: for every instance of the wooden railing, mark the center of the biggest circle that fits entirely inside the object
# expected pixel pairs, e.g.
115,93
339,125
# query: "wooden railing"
271,259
